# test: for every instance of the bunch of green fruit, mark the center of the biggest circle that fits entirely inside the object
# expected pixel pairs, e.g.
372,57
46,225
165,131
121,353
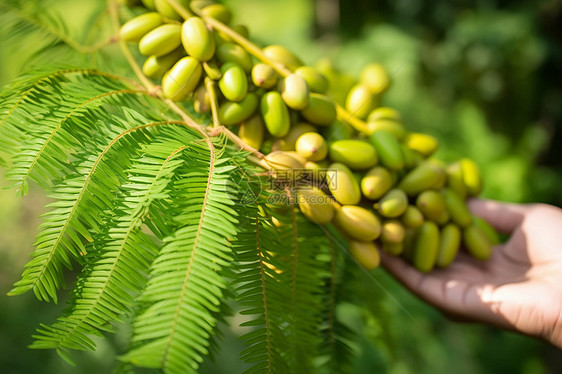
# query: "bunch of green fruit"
373,179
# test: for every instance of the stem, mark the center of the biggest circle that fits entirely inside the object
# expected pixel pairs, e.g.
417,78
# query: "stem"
183,12
356,123
210,86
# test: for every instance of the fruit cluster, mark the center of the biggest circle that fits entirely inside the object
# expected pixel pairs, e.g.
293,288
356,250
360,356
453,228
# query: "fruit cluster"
374,180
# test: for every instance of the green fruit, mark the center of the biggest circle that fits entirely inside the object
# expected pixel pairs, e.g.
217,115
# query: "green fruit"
164,8
275,114
338,131
234,113
384,113
182,79
356,154
365,253
160,41
394,249
135,29
457,208
455,179
149,4
230,52
283,56
312,146
218,12
448,245
376,78
393,232
376,183
361,101
288,143
197,39
388,149
264,76
295,92
338,84
431,204
491,233
472,177
156,66
409,244
393,127
342,184
233,84
315,205
477,243
201,99
316,81
426,247
423,177
284,162
412,217
393,204
422,143
411,158
321,110
252,131
358,223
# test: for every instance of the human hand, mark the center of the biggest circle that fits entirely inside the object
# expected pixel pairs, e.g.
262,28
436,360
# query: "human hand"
518,288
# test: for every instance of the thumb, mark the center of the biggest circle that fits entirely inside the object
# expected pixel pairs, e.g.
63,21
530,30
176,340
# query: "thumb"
504,217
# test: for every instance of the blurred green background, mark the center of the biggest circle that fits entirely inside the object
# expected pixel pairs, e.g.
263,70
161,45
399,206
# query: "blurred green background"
484,76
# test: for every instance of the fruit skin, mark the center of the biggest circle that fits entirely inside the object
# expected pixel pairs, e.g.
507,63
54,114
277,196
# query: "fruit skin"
375,77
491,233
197,39
264,76
423,177
365,253
392,232
393,204
182,78
295,92
312,146
230,52
376,183
233,113
252,131
471,176
426,247
448,245
283,56
356,154
388,149
457,208
358,223
218,12
135,29
394,249
201,99
361,101
342,184
321,110
455,179
411,158
422,143
288,143
282,161
384,113
315,205
316,81
156,66
233,83
393,127
164,8
412,217
160,41
477,243
149,4
275,114
431,204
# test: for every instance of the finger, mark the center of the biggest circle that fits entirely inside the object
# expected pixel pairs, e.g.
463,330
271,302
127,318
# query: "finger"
504,217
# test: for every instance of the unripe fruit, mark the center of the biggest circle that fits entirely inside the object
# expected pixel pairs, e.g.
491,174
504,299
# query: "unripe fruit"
160,41
230,52
472,176
312,146
412,217
283,56
393,127
392,232
361,101
448,245
431,204
388,149
365,253
356,154
358,223
393,204
316,81
264,76
421,178
197,5
275,114
409,244
426,246
182,79
411,158
233,83
342,184
339,131
477,243
233,113
491,233
252,131
201,99
457,208
384,113
156,66
149,4
394,249
197,39
288,143
164,8
321,110
375,77
422,143
218,12
455,180
282,161
376,183
315,205
295,92
135,29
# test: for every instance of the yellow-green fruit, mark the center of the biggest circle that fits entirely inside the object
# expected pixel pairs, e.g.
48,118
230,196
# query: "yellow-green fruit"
392,231
197,39
283,56
182,79
252,131
197,5
338,84
394,127
393,204
135,29
358,223
295,92
422,143
233,83
312,146
376,183
411,158
149,4
384,113
317,169
457,208
448,245
342,184
375,77
394,249
164,8
491,233
356,154
315,205
409,244
218,12
426,246
156,66
234,113
297,156
201,99
431,204
321,110
275,114
230,52
388,149
316,81
160,41
282,161
264,76
288,143
455,180
365,253
477,243
361,101
339,131
472,176
412,217
423,177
